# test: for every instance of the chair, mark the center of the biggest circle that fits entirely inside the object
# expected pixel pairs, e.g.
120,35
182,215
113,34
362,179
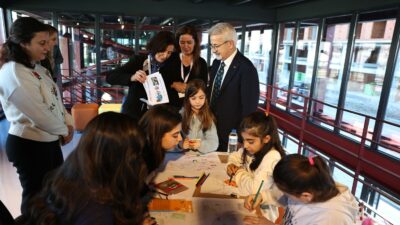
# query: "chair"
110,107
5,215
82,114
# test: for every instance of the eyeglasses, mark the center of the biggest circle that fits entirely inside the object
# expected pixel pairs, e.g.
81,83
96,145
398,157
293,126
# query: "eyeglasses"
217,46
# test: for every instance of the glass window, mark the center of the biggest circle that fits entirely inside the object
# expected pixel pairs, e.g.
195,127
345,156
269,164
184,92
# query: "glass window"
290,144
258,47
374,33
283,66
306,44
331,58
343,174
390,137
204,43
2,27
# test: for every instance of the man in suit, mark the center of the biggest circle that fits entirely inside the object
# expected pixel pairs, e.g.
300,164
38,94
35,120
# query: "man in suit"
234,87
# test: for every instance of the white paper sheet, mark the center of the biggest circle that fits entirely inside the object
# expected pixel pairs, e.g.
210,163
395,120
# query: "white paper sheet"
155,89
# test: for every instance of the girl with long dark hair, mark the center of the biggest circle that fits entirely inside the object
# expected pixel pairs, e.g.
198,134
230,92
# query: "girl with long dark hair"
252,165
101,180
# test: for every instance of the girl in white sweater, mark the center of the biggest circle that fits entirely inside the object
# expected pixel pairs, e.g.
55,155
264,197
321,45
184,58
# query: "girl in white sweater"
254,163
198,121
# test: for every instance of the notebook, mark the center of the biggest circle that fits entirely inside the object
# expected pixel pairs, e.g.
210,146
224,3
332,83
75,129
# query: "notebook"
171,186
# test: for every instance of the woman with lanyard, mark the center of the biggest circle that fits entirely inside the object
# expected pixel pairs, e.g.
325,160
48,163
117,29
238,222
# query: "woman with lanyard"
185,65
134,72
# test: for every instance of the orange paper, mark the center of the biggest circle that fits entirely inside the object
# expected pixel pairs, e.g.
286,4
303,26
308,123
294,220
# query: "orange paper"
170,205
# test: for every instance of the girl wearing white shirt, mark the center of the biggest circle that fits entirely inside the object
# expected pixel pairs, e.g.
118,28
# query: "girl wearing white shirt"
254,163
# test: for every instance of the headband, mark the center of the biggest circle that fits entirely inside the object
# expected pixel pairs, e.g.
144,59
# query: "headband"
311,160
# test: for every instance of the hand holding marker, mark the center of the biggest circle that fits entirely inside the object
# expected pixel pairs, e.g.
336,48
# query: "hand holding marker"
258,193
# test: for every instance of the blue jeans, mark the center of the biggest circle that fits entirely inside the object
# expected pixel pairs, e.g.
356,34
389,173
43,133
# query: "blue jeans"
4,127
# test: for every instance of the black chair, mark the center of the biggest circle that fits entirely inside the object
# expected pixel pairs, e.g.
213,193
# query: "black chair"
5,215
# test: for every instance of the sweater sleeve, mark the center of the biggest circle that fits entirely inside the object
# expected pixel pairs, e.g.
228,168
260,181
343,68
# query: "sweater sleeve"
235,158
68,118
209,142
249,181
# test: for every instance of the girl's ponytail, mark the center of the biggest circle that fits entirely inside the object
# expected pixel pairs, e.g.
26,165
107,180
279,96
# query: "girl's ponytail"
296,174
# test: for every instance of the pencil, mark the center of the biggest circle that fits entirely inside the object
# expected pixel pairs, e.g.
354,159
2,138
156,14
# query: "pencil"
200,179
230,179
258,193
188,177
204,180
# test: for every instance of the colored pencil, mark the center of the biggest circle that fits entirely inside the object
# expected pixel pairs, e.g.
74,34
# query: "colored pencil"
200,179
258,192
188,177
230,179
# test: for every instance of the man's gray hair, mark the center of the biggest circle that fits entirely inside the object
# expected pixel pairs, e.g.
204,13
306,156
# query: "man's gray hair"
224,29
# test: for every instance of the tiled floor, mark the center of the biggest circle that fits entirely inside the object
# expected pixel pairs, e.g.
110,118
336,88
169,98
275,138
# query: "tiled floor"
10,188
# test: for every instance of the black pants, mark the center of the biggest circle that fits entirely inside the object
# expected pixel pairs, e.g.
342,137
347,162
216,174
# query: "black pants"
33,160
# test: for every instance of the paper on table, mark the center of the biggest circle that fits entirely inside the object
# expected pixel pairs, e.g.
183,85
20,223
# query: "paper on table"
204,163
155,89
216,185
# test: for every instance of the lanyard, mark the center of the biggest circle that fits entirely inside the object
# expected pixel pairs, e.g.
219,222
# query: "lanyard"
182,72
149,63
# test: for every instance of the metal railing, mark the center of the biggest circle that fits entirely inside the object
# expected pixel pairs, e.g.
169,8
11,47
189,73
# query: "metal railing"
301,111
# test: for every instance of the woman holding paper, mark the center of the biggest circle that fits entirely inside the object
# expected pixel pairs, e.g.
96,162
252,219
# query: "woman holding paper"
134,72
185,65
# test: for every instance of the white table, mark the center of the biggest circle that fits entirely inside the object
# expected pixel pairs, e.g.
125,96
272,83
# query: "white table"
206,210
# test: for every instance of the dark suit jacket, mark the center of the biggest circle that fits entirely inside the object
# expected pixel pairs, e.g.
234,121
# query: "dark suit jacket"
239,96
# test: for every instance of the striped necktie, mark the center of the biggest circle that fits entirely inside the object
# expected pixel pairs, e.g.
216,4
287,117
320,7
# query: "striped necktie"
217,85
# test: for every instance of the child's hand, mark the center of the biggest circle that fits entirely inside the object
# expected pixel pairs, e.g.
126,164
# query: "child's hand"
185,144
252,220
250,204
179,87
149,221
194,143
139,76
231,169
